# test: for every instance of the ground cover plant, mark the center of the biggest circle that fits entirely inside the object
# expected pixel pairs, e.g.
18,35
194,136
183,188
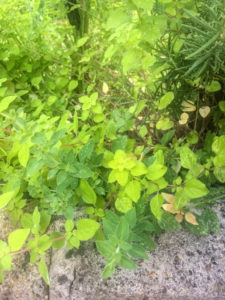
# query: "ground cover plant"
116,109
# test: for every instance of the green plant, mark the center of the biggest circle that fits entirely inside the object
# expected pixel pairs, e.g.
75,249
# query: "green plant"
129,148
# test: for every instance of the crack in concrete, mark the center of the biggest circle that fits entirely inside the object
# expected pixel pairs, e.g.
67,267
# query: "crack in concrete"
72,282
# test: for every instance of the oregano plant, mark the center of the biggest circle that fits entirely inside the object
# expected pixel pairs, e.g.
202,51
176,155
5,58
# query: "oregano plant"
124,123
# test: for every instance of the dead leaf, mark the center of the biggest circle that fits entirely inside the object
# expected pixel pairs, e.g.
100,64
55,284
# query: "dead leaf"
170,208
183,118
105,88
179,218
188,106
190,218
204,111
168,197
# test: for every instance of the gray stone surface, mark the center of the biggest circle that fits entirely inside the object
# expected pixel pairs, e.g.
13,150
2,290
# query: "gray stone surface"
184,266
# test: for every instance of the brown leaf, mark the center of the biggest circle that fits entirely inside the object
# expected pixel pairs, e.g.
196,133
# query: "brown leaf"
168,197
188,106
183,118
190,218
204,111
179,218
170,208
105,88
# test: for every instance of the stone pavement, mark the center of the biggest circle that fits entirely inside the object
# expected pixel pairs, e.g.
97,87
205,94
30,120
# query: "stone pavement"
184,266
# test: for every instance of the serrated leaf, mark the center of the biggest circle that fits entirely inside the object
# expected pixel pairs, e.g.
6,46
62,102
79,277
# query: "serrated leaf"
69,225
44,270
5,198
126,263
133,190
86,229
17,238
5,102
156,171
155,205
24,154
187,157
181,199
109,269
122,230
194,188
72,85
138,252
123,204
168,222
87,192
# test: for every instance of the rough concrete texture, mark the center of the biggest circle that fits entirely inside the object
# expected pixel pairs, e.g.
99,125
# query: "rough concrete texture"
184,266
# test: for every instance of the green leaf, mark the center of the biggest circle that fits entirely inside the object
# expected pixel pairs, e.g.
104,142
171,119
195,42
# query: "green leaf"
126,263
131,217
44,243
5,102
86,151
167,137
36,220
57,136
109,269
131,60
133,190
72,85
122,230
87,192
27,220
44,270
218,145
116,18
122,177
145,4
222,106
36,80
214,86
24,154
17,238
86,229
138,252
168,222
33,166
6,262
165,100
194,188
105,248
44,221
58,243
5,198
139,169
219,172
123,204
69,225
155,205
188,158
156,171
181,199
164,124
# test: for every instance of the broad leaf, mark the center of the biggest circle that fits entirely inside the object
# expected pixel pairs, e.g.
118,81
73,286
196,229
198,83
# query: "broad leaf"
86,229
17,238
